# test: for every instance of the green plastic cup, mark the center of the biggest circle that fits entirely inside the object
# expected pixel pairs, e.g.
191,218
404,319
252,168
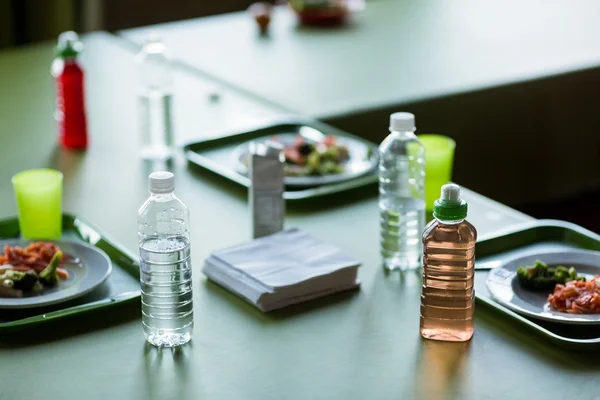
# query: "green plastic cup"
439,158
38,193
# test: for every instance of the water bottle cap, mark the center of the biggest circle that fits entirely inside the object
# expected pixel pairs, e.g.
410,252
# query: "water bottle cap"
402,122
161,182
450,206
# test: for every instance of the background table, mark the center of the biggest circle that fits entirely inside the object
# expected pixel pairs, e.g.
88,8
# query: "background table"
394,52
355,345
514,82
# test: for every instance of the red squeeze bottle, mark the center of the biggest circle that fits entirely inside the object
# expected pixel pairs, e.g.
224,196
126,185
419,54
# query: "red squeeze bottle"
70,104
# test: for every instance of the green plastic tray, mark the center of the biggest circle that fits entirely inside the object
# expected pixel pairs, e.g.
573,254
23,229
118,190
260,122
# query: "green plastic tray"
121,286
540,236
215,155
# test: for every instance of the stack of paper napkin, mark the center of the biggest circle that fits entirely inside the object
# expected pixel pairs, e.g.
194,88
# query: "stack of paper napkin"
282,269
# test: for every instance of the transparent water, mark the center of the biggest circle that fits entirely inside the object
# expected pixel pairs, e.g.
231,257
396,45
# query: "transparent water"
448,295
401,226
401,200
156,127
166,280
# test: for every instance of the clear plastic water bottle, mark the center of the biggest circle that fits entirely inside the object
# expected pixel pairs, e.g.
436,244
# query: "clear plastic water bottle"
165,266
401,194
154,100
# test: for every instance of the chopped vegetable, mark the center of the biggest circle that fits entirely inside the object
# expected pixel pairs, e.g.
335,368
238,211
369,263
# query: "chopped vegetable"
62,273
19,280
24,280
6,282
540,276
49,276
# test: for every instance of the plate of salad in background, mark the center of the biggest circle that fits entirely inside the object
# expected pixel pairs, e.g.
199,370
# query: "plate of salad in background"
41,273
562,286
313,158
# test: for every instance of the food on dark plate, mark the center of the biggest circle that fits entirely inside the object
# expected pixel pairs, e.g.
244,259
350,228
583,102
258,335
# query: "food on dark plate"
571,294
30,269
315,158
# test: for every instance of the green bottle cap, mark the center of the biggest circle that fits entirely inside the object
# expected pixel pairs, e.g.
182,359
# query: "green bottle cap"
68,45
450,207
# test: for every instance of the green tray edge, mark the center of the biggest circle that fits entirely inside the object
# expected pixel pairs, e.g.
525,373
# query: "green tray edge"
191,153
125,256
493,244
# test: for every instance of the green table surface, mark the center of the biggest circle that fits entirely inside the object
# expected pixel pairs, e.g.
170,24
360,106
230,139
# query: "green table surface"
356,345
393,52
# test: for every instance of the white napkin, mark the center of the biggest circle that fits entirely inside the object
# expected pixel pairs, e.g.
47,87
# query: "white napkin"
281,269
